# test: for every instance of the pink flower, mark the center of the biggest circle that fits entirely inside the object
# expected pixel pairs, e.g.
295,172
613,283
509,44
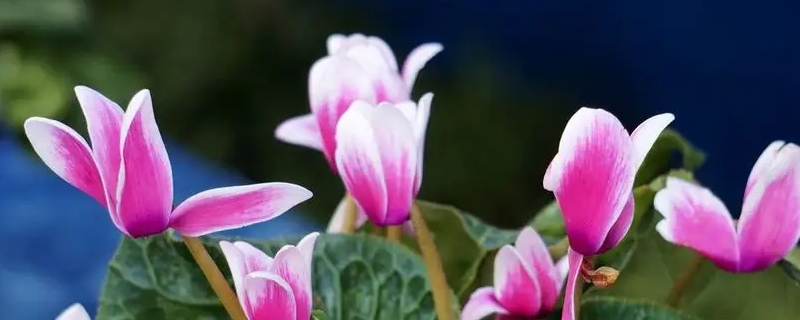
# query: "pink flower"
74,312
768,227
592,178
272,289
379,157
127,170
527,283
356,68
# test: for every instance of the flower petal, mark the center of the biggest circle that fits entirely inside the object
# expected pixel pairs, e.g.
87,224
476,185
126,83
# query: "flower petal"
336,223
621,227
536,257
74,312
306,246
269,297
235,207
695,218
575,260
481,304
763,163
301,131
334,42
516,286
769,225
254,258
377,161
646,134
416,60
144,190
290,265
420,127
236,263
591,177
66,153
562,267
104,122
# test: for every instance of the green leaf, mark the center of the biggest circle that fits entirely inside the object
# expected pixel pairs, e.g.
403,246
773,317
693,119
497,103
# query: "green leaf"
604,308
549,221
791,265
712,294
355,277
319,315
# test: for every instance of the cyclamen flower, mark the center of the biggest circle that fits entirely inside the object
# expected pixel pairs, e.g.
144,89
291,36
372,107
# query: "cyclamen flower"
357,67
74,312
127,170
379,157
527,283
272,289
768,227
592,178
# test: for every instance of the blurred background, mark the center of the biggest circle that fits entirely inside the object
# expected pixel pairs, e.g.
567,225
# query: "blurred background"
224,73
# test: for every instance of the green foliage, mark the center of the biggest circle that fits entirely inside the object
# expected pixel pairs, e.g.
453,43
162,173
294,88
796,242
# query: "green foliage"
355,277
601,308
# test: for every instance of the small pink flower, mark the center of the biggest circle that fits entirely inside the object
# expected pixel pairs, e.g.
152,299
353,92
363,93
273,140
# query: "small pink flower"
356,68
127,170
592,178
527,283
379,157
272,289
768,227
74,312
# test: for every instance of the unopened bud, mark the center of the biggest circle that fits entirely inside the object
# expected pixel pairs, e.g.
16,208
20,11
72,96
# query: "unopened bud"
604,277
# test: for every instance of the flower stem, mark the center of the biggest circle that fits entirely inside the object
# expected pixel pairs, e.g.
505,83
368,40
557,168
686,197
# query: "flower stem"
441,291
215,278
684,279
350,215
394,233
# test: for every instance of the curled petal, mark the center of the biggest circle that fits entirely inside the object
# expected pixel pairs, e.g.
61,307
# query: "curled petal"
762,165
306,246
66,153
377,160
235,207
769,225
144,188
236,263
621,227
536,257
290,265
336,223
695,218
420,128
575,260
516,287
301,131
74,312
417,59
591,177
268,296
481,304
104,122
646,134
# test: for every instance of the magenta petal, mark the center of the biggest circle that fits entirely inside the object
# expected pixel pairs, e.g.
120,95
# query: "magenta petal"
145,179
74,312
516,286
769,225
302,131
481,304
269,297
235,207
236,263
416,60
621,227
695,218
575,262
535,255
290,265
66,153
104,122
254,258
592,177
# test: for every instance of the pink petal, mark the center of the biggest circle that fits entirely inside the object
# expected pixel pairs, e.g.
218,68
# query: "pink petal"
769,225
339,214
66,153
416,60
385,51
646,134
269,297
335,42
301,131
306,246
591,177
254,258
290,265
235,207
763,163
420,127
335,82
695,218
481,304
104,122
562,267
236,263
377,161
621,227
516,287
74,312
575,261
536,257
145,180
